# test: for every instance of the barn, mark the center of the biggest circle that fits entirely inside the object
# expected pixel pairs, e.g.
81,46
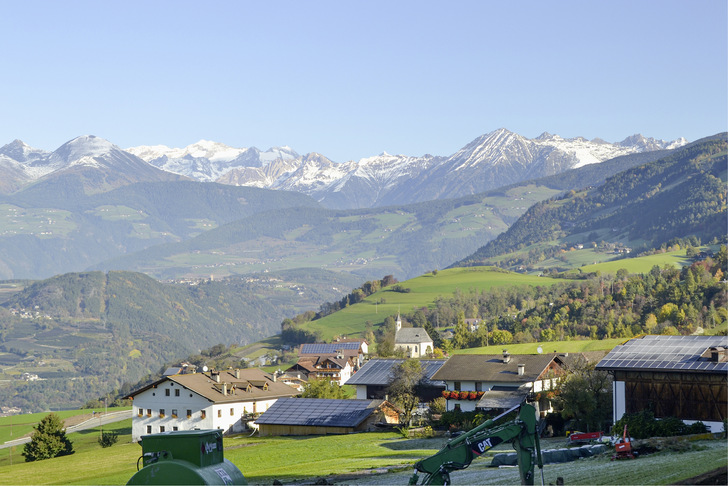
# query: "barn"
322,416
674,376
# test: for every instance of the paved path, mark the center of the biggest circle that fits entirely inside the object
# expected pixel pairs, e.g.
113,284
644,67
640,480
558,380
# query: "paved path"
99,419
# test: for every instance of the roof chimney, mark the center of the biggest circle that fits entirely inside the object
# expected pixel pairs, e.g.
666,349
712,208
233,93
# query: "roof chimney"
718,354
506,356
215,376
237,373
224,389
521,369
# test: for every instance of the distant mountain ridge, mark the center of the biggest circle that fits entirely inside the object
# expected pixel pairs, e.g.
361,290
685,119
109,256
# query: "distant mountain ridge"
493,160
679,195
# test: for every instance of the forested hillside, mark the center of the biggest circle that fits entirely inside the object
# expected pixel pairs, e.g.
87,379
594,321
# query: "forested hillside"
54,227
109,329
680,195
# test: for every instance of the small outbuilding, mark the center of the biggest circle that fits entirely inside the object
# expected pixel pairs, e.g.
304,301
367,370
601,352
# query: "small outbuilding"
322,416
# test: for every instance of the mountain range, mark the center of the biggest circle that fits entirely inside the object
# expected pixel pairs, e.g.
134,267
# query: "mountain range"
492,160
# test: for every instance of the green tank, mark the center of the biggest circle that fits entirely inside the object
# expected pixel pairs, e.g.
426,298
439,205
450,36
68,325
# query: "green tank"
185,457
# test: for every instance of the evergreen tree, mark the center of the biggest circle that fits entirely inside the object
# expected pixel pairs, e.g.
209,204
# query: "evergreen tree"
48,440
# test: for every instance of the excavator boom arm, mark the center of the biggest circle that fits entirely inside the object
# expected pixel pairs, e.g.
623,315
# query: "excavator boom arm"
460,452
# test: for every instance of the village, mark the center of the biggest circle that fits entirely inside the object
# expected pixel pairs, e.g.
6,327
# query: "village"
674,376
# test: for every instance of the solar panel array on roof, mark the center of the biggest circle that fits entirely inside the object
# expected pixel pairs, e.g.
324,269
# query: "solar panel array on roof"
677,353
317,412
327,348
379,372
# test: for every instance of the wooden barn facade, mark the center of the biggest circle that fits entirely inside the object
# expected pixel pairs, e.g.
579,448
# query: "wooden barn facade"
674,376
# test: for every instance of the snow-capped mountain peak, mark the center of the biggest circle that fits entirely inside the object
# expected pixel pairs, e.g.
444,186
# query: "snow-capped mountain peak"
19,151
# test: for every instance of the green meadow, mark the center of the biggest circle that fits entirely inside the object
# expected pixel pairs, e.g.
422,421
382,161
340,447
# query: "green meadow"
424,290
547,347
641,264
265,459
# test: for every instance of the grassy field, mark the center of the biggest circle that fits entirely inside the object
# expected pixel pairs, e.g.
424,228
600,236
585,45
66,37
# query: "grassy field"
289,459
549,347
423,292
21,425
641,264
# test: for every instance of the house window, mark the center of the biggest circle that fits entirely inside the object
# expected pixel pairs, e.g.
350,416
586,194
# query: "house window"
189,413
174,413
149,429
175,428
149,413
141,412
457,407
161,413
457,386
478,386
166,392
176,392
203,414
161,428
232,412
219,413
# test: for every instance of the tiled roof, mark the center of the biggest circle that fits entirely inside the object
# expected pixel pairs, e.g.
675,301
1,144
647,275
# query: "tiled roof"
491,368
379,372
318,412
674,353
248,384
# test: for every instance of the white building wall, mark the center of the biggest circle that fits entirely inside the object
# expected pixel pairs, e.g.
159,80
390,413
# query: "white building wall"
619,405
345,374
469,405
204,413
152,401
361,392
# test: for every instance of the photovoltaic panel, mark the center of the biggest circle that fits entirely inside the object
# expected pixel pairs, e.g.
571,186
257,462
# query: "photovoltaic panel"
317,412
327,348
379,372
666,353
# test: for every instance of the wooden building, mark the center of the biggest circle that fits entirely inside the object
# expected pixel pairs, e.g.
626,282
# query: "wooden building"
674,376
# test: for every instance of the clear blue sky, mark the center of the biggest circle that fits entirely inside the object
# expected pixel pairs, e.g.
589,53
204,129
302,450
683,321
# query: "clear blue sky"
351,79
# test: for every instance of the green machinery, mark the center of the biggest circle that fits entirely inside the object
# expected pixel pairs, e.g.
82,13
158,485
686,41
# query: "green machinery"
460,452
185,457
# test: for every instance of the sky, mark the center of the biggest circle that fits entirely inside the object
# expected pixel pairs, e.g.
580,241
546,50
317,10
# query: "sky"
353,79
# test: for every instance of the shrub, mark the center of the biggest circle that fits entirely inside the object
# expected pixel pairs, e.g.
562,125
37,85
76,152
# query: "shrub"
108,439
643,424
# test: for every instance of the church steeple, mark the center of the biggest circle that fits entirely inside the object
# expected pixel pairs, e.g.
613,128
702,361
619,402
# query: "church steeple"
399,322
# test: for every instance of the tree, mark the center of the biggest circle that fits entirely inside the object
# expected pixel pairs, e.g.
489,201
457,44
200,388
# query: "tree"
462,336
407,379
585,395
322,389
48,440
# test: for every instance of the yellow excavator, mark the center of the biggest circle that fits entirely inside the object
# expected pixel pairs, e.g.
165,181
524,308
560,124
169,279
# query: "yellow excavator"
458,453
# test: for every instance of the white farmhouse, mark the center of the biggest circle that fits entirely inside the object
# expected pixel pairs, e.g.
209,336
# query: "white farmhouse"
493,382
215,400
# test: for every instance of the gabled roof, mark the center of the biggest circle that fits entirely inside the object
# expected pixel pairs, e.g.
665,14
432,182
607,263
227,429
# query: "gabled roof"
379,372
491,368
412,335
248,384
319,412
674,353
